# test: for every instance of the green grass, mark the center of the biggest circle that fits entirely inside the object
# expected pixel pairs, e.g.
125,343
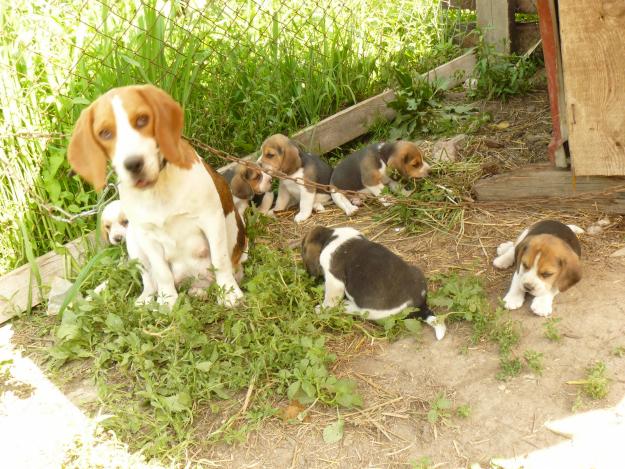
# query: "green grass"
156,370
534,361
551,329
596,385
240,71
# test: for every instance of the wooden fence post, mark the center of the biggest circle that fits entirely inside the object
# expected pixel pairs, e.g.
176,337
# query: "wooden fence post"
496,20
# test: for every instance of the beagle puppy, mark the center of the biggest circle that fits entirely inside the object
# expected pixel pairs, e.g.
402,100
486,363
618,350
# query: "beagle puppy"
279,153
180,209
547,261
371,168
376,282
249,184
113,223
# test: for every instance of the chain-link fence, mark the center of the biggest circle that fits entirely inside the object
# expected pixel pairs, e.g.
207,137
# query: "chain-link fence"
241,69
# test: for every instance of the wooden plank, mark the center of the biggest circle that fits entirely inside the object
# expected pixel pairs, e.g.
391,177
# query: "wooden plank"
328,134
543,180
496,20
525,6
593,47
16,286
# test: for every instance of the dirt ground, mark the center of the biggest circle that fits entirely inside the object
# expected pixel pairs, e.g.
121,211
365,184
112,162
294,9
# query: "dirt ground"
400,380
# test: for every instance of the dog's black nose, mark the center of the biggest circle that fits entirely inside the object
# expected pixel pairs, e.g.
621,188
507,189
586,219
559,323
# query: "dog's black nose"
117,239
528,287
134,164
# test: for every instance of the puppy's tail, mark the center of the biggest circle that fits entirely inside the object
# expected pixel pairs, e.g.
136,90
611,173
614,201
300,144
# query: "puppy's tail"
427,315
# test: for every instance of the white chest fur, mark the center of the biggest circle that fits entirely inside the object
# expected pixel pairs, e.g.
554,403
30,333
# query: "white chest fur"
292,187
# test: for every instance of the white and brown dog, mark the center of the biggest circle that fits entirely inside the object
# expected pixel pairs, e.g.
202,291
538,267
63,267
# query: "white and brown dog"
376,282
371,168
279,153
249,184
180,209
547,261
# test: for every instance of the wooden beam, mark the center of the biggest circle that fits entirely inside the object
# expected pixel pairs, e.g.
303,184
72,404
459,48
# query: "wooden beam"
592,34
496,20
322,137
543,180
18,285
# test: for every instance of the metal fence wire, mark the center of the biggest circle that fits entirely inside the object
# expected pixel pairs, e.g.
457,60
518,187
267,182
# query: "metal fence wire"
241,69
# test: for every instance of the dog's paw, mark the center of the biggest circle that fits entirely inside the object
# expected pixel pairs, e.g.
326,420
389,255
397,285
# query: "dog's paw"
504,261
542,306
439,326
576,229
168,300
513,300
319,208
300,217
231,297
504,247
357,201
349,211
198,292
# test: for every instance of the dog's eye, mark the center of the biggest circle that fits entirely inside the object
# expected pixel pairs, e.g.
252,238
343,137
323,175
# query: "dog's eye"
546,274
142,121
107,226
269,155
105,134
525,266
124,222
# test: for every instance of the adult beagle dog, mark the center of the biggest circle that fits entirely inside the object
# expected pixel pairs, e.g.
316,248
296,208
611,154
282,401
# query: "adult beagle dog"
281,154
376,282
181,210
371,168
249,184
547,261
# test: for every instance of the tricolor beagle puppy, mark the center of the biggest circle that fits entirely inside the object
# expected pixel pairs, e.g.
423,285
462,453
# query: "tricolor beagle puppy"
376,282
547,262
180,209
279,153
371,168
249,184
114,223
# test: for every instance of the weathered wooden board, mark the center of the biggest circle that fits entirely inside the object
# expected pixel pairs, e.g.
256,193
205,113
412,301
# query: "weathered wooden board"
543,180
496,19
328,134
17,285
592,34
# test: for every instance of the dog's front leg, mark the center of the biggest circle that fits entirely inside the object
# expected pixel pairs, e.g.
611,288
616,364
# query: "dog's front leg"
265,205
306,202
377,192
215,230
282,202
158,272
516,294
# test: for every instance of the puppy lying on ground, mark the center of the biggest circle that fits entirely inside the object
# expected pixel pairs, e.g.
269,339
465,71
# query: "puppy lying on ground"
374,280
370,169
249,184
547,261
279,153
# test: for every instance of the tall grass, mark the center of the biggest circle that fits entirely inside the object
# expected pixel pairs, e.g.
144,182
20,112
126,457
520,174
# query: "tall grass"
241,69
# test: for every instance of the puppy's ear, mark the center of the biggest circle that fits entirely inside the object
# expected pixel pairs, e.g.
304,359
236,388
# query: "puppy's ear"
291,160
570,272
104,232
519,251
312,244
241,188
168,122
84,153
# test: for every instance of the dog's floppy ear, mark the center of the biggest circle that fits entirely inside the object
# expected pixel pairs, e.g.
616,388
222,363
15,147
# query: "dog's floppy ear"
519,251
570,272
312,245
85,155
241,188
168,122
291,160
387,149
